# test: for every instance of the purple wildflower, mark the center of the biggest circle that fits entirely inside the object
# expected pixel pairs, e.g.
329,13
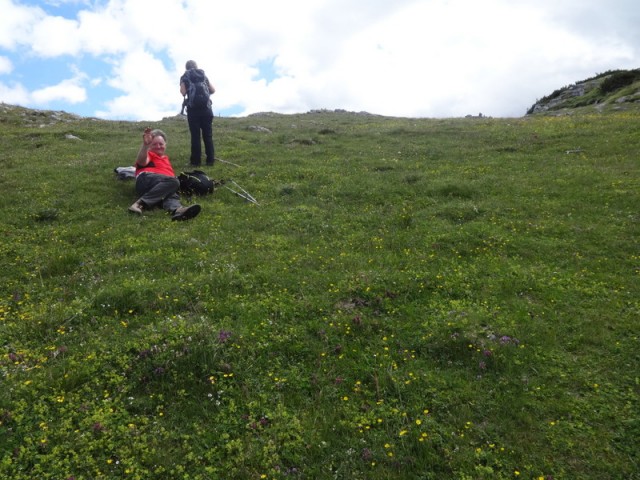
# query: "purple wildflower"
223,336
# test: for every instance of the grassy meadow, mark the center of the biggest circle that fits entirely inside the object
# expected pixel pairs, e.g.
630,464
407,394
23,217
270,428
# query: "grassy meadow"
411,299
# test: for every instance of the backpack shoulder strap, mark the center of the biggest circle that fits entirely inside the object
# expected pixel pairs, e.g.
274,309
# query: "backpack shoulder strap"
196,75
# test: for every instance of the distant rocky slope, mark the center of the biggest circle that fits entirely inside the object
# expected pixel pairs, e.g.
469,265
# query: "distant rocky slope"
612,90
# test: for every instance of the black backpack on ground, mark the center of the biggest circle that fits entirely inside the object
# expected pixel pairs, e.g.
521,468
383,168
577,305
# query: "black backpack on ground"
195,183
197,90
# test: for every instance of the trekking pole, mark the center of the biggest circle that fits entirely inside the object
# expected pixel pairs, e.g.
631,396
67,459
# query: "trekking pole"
224,161
241,195
245,192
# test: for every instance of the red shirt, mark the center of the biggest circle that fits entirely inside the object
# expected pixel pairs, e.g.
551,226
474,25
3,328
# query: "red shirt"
157,164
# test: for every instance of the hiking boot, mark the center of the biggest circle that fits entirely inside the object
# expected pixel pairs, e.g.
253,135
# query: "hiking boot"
137,207
185,213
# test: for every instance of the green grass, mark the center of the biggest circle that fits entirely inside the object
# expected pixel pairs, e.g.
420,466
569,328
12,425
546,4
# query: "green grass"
412,299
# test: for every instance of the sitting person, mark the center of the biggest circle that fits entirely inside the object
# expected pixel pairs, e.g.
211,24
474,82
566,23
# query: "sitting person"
156,183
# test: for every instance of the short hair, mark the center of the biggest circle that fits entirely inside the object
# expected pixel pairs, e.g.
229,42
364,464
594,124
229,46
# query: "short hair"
191,64
158,133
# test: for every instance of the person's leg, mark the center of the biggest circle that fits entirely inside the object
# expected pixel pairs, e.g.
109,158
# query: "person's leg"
161,189
171,203
143,184
157,189
207,137
196,148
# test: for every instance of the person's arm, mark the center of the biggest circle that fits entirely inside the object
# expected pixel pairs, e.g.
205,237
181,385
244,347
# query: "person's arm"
143,159
212,90
183,89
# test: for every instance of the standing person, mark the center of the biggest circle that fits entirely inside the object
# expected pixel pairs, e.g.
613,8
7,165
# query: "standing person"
195,85
156,182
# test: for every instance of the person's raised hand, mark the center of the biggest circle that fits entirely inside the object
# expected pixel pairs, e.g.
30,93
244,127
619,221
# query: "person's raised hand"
146,136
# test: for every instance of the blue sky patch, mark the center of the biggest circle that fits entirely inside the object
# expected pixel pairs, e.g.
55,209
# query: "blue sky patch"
66,9
266,70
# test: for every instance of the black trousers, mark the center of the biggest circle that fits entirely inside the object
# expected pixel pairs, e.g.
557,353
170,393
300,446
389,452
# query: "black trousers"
200,126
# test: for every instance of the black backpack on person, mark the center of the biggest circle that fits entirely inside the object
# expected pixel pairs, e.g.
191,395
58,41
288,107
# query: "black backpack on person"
195,183
197,89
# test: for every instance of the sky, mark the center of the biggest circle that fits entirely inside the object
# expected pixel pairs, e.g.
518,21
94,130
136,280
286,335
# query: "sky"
122,59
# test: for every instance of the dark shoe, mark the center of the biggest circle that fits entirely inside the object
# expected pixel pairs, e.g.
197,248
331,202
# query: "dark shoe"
137,207
210,163
185,213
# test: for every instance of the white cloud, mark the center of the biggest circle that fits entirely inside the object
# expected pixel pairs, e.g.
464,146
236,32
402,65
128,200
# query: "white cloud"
6,66
54,36
67,91
15,23
14,94
406,58
150,90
